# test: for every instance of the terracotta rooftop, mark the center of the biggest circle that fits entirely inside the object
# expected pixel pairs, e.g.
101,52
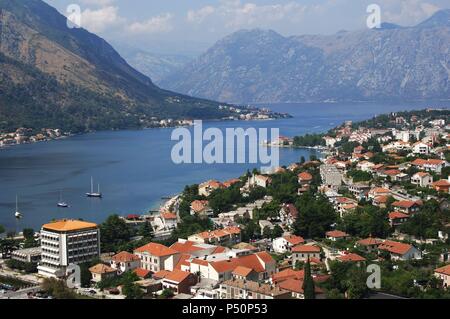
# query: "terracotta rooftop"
306,249
125,256
336,234
68,225
395,247
155,249
444,270
351,258
102,269
177,276
294,240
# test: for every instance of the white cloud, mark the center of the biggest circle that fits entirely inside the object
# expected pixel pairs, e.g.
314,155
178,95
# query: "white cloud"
200,15
406,12
101,20
158,24
235,14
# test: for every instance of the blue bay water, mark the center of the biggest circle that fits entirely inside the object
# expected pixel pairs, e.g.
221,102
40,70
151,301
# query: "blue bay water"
135,167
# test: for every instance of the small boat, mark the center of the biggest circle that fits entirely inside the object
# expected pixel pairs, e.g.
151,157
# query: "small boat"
92,193
18,215
62,203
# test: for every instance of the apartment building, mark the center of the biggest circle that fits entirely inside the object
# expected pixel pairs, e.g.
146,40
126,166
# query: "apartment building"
67,242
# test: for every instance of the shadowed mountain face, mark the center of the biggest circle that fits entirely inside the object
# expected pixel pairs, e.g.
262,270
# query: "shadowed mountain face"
390,63
54,76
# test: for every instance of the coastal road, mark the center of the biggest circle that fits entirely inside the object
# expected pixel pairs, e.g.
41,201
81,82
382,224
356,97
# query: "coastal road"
20,294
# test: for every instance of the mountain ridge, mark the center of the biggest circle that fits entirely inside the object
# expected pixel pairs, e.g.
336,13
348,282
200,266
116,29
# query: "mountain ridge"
87,84
262,66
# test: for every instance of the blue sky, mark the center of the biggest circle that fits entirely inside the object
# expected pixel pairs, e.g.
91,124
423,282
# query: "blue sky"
191,26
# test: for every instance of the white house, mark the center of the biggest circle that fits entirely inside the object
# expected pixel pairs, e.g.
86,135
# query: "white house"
400,251
421,148
125,261
422,179
284,244
156,257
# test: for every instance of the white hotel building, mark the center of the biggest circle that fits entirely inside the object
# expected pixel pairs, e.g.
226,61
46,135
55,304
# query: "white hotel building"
67,242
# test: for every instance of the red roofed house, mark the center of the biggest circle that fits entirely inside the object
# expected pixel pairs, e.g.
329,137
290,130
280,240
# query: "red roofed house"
263,265
101,272
407,206
259,180
354,258
431,165
336,235
201,208
156,257
400,251
443,273
370,244
284,244
304,252
244,273
305,178
442,186
397,218
170,220
142,273
205,189
227,236
180,282
286,274
125,261
295,286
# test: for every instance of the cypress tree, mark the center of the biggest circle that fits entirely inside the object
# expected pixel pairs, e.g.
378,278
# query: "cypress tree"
308,283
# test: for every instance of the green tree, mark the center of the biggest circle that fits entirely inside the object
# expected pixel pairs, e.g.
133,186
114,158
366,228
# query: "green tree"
2,229
132,291
115,232
28,234
315,218
308,283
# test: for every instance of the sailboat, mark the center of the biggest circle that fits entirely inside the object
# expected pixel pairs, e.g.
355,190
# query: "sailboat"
17,214
62,203
92,194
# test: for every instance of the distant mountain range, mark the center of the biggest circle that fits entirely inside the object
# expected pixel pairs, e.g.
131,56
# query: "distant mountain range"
156,66
390,63
53,76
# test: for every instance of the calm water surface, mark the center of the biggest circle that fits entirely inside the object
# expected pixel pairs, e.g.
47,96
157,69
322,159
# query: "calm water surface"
134,167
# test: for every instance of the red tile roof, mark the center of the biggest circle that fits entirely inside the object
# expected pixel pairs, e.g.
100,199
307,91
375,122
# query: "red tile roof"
369,242
305,177
124,257
444,270
102,269
295,285
168,215
294,240
288,274
157,250
161,274
351,258
199,205
186,247
395,247
242,271
177,276
397,215
141,273
405,204
336,234
306,249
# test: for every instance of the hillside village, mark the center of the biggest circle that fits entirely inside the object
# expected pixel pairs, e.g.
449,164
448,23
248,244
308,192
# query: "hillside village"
378,195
